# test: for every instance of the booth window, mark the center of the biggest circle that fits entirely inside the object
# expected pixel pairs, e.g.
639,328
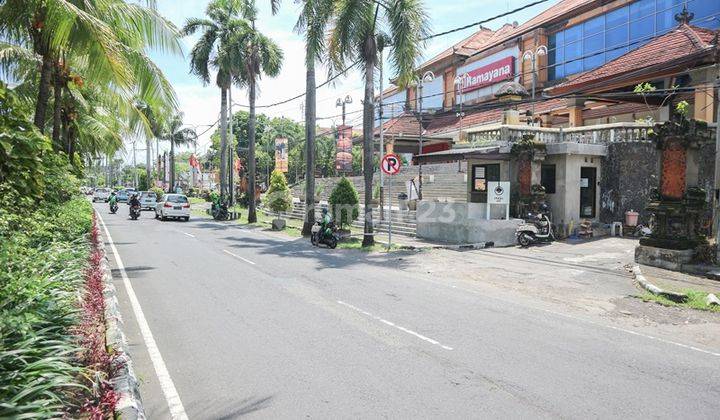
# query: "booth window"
547,178
482,174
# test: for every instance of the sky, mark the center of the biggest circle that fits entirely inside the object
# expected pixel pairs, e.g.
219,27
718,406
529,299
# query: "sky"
201,104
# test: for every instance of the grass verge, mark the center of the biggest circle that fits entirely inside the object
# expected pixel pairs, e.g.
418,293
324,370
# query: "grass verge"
696,300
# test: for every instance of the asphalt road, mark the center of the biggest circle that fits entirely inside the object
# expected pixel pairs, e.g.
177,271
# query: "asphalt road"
252,324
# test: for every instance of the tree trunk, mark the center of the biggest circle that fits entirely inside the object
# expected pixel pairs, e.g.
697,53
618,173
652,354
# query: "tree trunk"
57,107
172,166
43,92
252,215
309,147
223,141
368,117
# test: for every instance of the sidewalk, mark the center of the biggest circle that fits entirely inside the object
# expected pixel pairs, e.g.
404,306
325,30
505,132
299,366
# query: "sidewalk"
679,282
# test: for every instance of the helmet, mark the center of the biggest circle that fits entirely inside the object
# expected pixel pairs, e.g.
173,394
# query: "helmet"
324,211
544,208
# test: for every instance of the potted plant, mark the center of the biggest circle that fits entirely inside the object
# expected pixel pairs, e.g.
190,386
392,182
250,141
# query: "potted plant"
278,198
344,204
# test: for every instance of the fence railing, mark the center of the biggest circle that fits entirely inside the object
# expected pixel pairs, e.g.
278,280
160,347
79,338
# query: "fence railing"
593,134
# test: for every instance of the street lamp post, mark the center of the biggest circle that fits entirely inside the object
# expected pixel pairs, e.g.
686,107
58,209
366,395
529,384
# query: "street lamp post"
427,77
532,56
341,103
460,114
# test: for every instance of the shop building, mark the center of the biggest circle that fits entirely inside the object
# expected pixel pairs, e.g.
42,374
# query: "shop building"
582,62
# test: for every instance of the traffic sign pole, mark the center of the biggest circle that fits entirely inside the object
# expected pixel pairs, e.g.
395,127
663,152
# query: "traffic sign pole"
390,213
390,164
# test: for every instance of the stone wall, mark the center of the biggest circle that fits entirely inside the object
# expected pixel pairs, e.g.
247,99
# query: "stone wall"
630,171
706,167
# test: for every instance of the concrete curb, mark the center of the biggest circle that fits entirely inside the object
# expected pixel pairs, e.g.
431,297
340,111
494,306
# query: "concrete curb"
125,383
642,281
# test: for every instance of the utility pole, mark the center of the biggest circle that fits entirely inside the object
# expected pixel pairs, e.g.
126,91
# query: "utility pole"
231,151
135,177
532,56
716,215
428,77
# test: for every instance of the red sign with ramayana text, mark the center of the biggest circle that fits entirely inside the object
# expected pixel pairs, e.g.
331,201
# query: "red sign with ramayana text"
496,72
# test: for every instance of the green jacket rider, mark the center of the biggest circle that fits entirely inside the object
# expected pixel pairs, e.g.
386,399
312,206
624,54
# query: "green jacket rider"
325,222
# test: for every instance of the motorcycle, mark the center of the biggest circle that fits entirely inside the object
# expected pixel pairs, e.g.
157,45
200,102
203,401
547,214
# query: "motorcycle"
113,208
317,236
536,228
134,212
220,211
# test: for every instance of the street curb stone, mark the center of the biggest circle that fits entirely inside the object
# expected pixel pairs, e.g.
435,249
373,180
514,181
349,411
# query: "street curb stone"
125,383
642,281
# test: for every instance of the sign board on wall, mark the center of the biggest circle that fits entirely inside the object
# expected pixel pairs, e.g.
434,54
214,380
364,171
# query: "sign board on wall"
343,149
281,154
490,74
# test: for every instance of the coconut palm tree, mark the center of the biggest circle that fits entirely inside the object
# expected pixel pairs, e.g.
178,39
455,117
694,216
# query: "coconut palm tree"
213,52
259,55
358,24
312,24
177,135
107,38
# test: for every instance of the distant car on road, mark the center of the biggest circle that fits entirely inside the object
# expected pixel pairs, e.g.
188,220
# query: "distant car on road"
122,196
173,205
101,194
148,200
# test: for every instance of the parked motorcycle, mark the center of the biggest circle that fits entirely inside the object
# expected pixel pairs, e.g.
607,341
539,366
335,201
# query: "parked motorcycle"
113,208
220,211
536,228
134,212
317,236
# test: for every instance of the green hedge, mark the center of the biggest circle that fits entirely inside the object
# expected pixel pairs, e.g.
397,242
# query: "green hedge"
43,254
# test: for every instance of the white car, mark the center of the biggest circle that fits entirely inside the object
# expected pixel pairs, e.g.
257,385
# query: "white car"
173,205
101,194
148,200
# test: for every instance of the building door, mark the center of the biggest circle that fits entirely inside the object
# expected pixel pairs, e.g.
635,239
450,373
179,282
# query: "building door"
588,184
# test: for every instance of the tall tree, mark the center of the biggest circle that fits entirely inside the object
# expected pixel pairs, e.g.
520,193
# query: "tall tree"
216,50
358,25
312,23
177,135
259,55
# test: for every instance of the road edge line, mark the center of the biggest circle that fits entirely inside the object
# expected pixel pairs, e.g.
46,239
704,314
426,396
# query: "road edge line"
177,410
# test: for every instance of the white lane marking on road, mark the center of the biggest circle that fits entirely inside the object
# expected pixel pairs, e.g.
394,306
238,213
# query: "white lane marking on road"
392,324
237,256
177,411
587,321
187,234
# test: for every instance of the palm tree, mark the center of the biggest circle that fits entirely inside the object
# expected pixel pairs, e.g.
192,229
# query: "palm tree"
259,54
354,38
312,23
213,51
177,135
106,39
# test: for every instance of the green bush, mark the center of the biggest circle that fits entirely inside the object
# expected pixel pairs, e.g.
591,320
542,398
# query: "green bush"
344,202
158,192
278,196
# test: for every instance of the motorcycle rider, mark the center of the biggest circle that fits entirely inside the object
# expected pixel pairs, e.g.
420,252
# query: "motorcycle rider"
325,223
112,201
134,200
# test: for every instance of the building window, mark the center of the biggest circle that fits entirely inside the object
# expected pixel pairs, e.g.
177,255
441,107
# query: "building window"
547,178
590,44
482,174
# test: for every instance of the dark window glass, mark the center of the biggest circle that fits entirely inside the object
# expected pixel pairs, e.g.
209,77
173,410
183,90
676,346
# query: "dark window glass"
573,62
573,34
616,17
641,9
593,44
593,26
704,9
642,30
665,19
616,36
547,178
177,199
593,61
482,174
552,41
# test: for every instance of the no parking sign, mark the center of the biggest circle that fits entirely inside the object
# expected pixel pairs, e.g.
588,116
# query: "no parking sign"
391,164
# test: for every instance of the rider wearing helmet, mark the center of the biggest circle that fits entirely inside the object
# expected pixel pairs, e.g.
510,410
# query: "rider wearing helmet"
325,222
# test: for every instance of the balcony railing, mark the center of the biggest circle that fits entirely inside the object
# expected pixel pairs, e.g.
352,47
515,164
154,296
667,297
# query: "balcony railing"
592,134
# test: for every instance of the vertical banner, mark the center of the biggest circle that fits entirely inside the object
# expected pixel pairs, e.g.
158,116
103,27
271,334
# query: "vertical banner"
343,156
281,154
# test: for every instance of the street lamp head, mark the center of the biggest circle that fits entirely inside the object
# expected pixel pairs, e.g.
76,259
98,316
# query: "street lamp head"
428,77
338,102
541,50
348,99
528,55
